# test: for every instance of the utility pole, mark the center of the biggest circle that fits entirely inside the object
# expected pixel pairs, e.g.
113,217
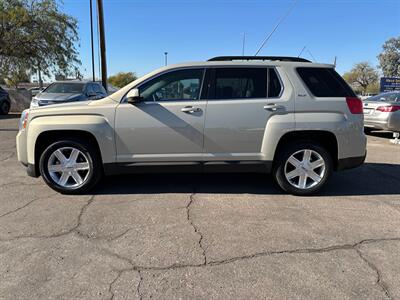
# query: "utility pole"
166,58
102,44
91,39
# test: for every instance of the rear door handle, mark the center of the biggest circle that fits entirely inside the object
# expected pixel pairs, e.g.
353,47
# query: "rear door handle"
273,107
190,109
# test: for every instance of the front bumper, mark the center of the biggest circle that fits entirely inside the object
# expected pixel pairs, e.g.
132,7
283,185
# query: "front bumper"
22,152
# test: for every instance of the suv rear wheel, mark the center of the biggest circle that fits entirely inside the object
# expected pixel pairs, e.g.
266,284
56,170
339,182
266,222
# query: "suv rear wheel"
70,166
303,168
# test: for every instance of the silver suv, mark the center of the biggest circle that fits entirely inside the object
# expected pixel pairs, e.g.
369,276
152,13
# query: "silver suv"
296,119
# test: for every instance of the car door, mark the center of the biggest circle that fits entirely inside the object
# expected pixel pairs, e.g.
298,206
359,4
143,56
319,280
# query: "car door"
241,100
168,124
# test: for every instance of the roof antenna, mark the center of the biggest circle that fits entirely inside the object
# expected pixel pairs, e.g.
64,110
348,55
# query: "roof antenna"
301,52
309,52
276,27
334,61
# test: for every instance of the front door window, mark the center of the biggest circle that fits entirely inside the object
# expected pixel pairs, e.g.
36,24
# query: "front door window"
178,85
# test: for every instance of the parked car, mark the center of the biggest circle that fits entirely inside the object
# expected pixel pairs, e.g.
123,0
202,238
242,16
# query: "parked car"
69,91
5,102
382,112
296,119
35,90
366,96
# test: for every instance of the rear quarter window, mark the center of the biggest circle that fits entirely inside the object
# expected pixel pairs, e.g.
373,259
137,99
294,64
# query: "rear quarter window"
325,82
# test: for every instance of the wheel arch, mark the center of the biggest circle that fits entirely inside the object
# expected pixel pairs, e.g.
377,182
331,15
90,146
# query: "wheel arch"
327,139
46,138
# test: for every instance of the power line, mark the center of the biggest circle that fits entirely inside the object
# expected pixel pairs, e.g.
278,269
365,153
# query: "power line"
276,27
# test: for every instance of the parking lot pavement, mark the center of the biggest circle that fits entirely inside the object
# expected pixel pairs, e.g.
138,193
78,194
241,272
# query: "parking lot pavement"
201,236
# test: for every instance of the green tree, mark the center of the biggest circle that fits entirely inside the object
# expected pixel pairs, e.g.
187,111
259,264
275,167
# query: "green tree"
389,59
36,36
122,78
361,76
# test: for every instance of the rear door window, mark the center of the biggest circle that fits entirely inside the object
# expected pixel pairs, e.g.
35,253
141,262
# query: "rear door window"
240,83
325,82
274,84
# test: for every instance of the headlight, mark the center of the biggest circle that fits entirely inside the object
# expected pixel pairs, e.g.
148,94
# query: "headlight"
34,103
23,120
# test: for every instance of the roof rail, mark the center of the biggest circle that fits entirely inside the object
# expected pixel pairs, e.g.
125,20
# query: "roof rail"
274,58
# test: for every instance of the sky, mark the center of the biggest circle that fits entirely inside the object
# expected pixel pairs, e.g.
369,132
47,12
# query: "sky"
138,32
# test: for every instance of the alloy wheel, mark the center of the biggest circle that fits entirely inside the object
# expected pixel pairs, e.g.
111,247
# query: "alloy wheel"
69,167
305,169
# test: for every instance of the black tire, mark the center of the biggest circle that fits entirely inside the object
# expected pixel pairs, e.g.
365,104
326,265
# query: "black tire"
278,170
94,174
4,108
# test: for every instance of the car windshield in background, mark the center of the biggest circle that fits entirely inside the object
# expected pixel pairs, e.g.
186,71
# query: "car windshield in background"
65,88
387,97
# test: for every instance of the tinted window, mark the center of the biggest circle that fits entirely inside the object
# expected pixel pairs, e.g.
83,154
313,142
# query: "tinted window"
236,83
325,82
59,87
274,85
176,85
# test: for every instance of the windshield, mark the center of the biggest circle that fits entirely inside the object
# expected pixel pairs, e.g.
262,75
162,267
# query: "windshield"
64,87
386,97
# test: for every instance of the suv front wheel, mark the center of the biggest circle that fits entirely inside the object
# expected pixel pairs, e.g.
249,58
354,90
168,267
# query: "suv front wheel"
70,166
303,168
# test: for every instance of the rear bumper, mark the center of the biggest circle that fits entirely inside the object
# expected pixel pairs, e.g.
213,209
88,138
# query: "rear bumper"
350,162
389,122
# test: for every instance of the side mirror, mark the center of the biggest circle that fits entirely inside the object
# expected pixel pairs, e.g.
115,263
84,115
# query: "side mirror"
91,94
133,96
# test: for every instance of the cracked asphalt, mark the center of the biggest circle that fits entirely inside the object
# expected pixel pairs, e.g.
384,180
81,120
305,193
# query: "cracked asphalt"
201,236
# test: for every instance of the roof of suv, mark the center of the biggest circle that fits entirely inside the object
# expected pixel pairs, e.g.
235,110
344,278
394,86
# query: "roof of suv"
255,62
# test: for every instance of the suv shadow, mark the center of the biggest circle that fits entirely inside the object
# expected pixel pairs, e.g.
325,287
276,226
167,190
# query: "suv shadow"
369,179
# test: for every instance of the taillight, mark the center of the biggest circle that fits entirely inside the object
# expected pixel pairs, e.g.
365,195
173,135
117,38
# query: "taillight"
390,108
355,105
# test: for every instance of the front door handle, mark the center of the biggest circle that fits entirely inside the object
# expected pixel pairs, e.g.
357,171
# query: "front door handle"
274,107
190,109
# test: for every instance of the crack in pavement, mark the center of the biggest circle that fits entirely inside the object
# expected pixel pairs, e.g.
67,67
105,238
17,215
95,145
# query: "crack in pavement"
351,247
139,284
139,269
196,230
25,205
11,154
61,233
379,281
